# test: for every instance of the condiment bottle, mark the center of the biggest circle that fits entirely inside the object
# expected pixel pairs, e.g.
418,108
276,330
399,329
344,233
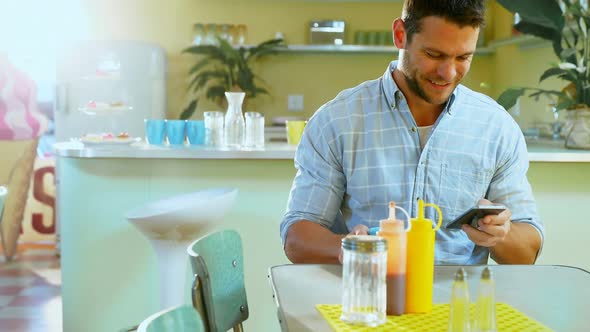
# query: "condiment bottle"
459,320
485,307
420,264
364,264
394,232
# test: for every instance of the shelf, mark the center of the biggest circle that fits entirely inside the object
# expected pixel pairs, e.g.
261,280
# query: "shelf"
354,49
523,41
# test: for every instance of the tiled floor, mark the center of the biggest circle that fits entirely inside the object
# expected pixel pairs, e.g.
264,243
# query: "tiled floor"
30,291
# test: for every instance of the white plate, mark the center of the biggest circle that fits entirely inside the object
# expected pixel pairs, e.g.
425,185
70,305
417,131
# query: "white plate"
111,141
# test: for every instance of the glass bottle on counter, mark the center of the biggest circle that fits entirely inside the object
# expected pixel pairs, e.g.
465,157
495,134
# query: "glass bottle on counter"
234,126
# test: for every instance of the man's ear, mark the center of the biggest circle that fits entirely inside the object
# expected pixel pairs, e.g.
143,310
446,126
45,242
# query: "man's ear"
399,33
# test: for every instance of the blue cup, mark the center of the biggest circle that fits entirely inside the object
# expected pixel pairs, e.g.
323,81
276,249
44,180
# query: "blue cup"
175,131
195,132
155,131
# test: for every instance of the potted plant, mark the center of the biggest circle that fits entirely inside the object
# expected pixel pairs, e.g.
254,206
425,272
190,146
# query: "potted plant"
223,67
566,27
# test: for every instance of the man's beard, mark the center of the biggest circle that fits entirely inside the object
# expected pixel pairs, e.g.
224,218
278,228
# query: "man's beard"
414,85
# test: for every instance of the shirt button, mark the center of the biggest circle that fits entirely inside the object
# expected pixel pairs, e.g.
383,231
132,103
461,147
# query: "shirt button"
414,129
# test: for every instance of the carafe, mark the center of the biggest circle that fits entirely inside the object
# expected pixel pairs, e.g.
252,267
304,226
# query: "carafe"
234,120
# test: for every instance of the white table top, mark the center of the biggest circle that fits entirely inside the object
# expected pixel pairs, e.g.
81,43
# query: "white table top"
556,296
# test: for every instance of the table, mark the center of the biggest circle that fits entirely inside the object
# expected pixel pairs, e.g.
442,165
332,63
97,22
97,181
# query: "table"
556,296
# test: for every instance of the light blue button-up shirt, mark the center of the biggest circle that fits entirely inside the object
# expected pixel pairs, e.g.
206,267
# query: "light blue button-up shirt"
362,149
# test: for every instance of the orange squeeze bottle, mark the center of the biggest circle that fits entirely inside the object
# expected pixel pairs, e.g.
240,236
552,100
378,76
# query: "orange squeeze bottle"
420,264
394,232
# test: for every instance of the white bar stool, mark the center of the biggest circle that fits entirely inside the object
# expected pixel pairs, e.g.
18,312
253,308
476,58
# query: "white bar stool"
171,224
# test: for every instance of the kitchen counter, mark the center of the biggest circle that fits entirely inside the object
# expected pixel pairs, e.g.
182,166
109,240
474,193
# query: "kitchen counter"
142,150
541,150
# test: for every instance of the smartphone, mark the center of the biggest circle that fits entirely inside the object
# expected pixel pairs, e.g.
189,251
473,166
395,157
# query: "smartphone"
476,212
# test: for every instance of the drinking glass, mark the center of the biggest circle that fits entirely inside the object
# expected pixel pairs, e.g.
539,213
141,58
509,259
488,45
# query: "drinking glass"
213,128
176,131
254,130
195,132
155,131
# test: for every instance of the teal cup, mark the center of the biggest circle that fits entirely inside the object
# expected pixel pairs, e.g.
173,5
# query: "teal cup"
176,131
195,132
155,131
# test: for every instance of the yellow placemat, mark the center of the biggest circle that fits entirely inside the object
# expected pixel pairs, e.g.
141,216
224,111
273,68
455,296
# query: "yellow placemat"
507,319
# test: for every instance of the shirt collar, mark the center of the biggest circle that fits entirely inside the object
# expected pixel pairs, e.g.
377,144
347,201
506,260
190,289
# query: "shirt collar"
393,93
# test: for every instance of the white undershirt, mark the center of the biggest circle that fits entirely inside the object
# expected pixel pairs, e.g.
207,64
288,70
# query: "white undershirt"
424,134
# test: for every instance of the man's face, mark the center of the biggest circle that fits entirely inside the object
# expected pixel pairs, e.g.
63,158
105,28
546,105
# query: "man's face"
437,58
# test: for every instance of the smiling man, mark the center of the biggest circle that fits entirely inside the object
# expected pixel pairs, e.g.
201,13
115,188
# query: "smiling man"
416,132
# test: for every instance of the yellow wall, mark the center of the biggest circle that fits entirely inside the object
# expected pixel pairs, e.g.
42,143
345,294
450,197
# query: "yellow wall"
517,66
318,77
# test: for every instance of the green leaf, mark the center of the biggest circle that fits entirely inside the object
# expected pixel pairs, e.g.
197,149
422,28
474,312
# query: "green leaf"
543,13
215,92
509,97
561,73
200,65
189,110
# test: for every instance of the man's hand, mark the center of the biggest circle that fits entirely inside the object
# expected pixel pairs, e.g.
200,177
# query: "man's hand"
491,229
357,230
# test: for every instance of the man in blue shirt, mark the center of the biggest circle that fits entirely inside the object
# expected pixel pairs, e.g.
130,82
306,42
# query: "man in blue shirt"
416,133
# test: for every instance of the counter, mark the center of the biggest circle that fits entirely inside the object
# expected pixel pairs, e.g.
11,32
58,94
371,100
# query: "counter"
539,151
109,269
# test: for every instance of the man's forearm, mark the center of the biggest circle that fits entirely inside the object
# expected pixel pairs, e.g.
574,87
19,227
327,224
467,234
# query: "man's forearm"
520,246
309,242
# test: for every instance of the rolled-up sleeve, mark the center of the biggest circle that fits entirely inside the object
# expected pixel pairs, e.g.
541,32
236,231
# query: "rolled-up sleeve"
319,184
511,187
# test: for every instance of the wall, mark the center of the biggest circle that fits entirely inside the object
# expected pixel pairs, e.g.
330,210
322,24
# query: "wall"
319,77
517,66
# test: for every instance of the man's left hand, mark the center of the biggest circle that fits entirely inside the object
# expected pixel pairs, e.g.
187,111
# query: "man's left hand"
491,229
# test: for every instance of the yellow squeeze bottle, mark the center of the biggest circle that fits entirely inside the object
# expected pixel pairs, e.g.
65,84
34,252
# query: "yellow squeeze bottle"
420,261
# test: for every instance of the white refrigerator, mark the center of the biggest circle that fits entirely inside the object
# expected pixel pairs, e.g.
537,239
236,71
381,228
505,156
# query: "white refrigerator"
109,87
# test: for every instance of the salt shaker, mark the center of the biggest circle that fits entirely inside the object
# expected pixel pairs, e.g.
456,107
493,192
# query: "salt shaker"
364,266
485,307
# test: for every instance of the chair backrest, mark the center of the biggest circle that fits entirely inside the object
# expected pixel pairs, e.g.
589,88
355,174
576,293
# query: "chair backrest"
178,319
217,261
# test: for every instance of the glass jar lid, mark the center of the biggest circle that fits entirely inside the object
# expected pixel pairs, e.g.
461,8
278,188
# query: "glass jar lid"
364,243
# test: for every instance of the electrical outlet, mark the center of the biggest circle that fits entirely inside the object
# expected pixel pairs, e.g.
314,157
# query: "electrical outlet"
295,103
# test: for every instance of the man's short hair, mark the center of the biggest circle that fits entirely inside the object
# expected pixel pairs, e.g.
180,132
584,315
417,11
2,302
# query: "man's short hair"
461,12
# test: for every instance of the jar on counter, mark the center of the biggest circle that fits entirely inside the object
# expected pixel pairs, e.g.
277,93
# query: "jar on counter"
198,34
364,267
241,33
211,34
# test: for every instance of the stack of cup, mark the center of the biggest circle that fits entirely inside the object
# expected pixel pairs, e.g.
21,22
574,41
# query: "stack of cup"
174,132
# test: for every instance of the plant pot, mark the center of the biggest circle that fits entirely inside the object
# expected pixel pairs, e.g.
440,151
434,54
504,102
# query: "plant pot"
578,136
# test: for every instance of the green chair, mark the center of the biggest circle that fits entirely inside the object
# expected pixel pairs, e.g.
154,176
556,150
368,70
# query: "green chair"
176,319
219,292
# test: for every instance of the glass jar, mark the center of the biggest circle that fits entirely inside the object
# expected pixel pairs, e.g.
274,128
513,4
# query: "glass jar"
241,32
211,34
364,293
199,34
